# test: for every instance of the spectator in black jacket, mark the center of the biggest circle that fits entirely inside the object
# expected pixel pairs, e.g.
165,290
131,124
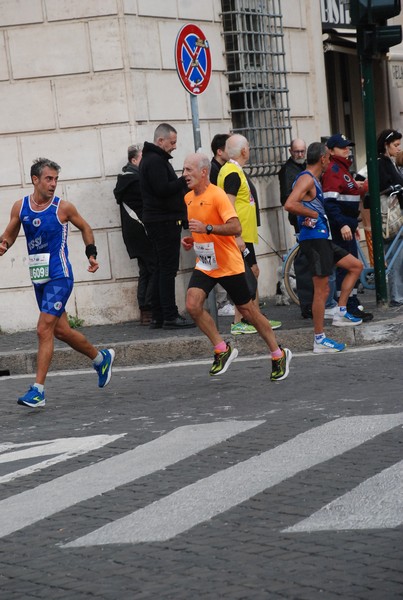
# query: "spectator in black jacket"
128,196
288,172
164,213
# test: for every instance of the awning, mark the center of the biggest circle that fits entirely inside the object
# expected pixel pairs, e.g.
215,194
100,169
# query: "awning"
340,40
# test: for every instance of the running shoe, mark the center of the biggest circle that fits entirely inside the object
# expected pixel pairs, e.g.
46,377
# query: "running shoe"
33,398
345,320
330,312
228,310
104,370
281,366
242,327
326,345
222,360
275,324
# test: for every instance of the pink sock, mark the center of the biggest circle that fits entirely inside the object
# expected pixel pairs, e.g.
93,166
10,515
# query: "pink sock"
277,354
221,347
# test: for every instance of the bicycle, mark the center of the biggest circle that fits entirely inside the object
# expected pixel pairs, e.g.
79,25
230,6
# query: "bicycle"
367,276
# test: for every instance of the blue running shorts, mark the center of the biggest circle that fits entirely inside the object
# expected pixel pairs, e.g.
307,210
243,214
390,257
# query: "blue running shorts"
52,296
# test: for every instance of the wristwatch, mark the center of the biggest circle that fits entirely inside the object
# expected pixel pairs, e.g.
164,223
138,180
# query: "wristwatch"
209,229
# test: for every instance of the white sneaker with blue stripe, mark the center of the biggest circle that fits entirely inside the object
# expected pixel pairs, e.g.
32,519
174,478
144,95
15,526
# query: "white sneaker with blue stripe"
326,345
344,319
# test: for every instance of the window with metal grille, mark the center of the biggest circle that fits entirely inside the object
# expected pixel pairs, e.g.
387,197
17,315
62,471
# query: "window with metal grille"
254,48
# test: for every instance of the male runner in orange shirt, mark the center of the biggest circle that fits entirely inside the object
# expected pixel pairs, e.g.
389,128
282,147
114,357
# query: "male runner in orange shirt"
214,223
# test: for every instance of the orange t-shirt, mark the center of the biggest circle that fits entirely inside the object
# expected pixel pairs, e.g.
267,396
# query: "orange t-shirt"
217,255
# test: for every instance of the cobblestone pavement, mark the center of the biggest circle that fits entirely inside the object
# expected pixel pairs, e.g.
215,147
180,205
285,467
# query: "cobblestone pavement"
184,486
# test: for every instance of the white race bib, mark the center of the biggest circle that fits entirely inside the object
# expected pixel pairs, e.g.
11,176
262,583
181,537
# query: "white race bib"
206,256
39,267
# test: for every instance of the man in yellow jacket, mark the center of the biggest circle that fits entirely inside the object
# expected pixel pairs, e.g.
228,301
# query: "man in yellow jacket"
243,196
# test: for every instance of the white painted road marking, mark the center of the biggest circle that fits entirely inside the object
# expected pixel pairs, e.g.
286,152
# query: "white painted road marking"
203,500
31,506
207,361
63,448
377,503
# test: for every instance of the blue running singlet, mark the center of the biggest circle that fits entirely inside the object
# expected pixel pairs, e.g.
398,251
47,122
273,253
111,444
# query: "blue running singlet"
321,229
46,242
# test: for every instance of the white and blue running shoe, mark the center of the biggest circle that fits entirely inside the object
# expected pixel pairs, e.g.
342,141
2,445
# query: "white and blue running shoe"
345,320
104,370
326,345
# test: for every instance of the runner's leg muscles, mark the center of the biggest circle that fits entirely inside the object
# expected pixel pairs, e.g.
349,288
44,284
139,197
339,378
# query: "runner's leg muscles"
74,338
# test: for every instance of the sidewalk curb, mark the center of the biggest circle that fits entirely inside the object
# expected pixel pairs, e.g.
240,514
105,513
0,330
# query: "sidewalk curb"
163,350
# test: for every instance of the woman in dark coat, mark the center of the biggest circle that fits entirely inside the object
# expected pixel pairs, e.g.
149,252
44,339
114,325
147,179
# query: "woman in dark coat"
388,145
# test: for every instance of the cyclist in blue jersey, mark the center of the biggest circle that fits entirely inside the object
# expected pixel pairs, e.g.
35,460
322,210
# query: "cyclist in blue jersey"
45,219
307,202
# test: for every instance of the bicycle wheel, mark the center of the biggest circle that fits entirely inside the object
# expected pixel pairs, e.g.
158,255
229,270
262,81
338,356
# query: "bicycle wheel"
290,281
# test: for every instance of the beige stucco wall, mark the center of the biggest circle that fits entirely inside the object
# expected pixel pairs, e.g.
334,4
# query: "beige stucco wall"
79,82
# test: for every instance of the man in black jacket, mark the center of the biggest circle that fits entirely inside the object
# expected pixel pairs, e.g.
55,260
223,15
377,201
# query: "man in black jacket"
164,213
128,196
288,172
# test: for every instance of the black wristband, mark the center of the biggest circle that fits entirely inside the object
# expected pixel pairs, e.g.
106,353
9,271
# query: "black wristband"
91,250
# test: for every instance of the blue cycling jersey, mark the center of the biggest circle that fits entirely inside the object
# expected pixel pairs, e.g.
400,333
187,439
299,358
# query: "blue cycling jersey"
321,228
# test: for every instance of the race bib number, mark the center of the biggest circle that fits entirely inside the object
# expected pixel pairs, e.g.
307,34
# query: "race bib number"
206,256
39,268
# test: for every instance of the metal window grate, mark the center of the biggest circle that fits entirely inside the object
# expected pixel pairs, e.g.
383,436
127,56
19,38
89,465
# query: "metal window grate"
254,48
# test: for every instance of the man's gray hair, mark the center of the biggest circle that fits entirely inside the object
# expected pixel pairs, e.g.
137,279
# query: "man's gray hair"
40,163
203,161
315,152
163,131
235,144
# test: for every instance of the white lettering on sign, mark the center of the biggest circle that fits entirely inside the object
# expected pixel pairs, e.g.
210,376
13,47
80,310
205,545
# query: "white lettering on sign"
335,12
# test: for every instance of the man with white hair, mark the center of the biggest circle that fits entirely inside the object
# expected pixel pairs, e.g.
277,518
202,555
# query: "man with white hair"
214,225
243,196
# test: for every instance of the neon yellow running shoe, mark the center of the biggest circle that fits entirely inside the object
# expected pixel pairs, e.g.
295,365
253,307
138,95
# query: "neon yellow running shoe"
242,327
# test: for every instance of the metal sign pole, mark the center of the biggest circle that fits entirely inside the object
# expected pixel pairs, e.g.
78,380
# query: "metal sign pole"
211,299
193,65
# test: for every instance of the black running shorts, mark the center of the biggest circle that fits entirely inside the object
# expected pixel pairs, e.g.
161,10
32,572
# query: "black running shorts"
236,286
322,255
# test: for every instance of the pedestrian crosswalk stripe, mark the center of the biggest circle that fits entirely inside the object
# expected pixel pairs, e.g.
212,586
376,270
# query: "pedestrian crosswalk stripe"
203,500
31,506
377,503
45,453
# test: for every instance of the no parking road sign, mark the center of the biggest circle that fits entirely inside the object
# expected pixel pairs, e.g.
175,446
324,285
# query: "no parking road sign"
193,59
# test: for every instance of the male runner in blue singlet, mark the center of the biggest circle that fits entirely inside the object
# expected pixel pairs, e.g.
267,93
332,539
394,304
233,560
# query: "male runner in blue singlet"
307,202
45,219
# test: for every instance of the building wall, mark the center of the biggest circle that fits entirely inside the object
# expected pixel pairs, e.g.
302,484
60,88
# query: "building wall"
79,82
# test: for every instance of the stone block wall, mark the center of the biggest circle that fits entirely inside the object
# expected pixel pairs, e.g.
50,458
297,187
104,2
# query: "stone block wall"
80,80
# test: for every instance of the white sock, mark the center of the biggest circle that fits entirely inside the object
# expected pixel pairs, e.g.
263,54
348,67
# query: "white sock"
39,387
98,359
319,337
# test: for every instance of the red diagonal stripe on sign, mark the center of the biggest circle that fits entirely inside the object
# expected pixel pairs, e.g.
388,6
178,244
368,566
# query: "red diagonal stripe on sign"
193,55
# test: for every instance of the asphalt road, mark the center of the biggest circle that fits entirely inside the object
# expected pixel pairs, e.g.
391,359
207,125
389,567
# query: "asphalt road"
172,484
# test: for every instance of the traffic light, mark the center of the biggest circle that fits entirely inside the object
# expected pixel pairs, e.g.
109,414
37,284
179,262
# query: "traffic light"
374,36
373,12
